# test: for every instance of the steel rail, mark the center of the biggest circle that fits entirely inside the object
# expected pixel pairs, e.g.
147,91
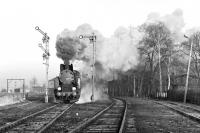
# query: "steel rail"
52,121
12,124
78,128
122,122
185,106
183,113
124,118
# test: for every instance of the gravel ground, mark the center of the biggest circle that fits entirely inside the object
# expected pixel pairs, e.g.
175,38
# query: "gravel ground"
76,115
154,118
11,114
14,105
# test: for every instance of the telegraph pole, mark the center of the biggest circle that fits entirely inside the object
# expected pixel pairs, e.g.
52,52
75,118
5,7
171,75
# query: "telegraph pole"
188,71
134,85
92,39
45,56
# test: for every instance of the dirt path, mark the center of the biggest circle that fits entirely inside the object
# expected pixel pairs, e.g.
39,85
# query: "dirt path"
150,117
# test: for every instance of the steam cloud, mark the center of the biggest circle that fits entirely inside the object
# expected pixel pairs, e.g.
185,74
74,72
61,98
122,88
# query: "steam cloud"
69,48
118,53
115,54
175,22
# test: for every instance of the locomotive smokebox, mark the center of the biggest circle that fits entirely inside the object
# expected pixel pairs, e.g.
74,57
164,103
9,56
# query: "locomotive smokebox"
66,76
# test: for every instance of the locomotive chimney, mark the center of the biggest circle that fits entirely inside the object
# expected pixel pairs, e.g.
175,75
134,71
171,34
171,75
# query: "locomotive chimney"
62,67
67,65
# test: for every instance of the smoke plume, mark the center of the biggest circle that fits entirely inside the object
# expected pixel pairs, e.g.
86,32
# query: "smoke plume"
117,53
99,93
69,48
120,51
174,21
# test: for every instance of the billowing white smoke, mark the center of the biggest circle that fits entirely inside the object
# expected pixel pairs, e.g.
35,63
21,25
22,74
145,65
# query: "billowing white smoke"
175,22
71,48
86,93
117,53
191,31
120,51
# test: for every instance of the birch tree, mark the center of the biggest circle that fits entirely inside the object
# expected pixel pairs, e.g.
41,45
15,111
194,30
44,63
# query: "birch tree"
153,46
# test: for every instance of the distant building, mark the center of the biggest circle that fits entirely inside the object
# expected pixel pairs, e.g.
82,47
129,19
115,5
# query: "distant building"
18,90
14,86
38,89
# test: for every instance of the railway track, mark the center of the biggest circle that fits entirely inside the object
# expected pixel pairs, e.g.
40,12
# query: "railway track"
38,121
130,125
109,120
20,104
186,110
16,112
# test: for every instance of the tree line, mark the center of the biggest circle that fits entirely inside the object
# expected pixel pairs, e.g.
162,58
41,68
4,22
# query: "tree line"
161,58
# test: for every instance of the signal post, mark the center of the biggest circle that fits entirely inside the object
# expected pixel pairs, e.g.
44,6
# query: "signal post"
92,39
45,56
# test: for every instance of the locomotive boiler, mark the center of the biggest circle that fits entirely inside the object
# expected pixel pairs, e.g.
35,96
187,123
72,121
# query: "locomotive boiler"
67,86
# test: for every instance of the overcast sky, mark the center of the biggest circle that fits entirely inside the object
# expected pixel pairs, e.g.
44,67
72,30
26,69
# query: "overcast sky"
20,56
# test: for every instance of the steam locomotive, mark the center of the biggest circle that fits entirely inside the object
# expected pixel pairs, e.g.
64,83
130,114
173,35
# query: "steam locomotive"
67,86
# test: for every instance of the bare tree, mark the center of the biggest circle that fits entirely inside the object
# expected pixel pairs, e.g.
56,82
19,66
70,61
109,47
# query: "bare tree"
153,46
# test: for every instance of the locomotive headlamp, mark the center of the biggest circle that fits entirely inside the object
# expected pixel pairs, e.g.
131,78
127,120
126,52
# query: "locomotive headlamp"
81,37
73,88
59,94
59,88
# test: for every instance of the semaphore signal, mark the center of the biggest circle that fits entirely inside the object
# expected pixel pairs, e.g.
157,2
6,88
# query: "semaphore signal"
45,56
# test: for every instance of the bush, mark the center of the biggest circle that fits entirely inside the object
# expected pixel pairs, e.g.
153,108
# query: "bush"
193,96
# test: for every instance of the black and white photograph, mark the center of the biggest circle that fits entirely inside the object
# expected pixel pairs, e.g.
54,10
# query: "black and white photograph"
99,66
